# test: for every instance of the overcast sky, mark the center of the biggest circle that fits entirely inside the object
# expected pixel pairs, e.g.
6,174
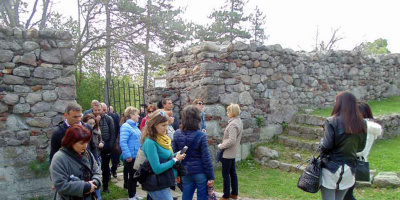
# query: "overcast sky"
293,23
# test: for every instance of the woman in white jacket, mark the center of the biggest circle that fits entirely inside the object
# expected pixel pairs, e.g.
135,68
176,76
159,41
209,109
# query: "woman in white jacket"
374,130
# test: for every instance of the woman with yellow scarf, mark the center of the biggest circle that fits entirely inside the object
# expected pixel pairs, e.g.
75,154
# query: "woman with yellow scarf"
158,151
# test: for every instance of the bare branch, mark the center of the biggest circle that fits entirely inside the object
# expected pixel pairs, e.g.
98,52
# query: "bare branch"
32,14
44,14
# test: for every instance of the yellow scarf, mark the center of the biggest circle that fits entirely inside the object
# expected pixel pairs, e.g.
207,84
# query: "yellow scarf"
164,141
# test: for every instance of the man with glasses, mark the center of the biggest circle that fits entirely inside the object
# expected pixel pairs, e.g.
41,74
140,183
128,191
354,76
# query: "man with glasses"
200,104
168,106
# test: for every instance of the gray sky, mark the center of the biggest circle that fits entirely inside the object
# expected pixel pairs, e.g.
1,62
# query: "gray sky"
293,23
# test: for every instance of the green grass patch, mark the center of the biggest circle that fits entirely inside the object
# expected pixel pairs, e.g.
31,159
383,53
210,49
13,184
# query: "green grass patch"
115,192
384,155
40,168
387,106
256,181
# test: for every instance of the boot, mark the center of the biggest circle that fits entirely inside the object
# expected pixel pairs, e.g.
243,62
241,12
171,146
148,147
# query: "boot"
234,196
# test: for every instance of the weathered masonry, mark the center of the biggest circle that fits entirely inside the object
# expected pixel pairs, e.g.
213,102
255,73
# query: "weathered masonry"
270,83
36,83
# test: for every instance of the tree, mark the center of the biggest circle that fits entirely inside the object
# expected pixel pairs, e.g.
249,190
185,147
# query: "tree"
11,10
379,46
334,39
227,23
258,21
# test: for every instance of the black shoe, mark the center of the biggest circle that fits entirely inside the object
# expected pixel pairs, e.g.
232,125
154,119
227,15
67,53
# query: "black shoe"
114,174
106,190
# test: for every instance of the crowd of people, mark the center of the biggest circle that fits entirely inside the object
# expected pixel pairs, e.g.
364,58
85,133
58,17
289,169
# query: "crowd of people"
173,153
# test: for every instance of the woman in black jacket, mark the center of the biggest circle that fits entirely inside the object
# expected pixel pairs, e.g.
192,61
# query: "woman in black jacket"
345,135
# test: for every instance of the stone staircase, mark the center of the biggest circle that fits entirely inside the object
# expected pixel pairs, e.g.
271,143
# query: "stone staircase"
300,140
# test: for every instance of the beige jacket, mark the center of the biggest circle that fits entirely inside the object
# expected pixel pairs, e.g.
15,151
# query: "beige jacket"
232,137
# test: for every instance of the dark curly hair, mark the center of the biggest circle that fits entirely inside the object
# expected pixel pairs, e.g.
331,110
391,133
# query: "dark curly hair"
190,118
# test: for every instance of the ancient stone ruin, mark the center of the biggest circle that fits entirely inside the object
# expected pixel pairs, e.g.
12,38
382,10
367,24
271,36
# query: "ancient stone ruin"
36,83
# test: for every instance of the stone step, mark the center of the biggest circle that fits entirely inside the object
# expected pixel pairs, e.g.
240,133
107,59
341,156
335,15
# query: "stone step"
296,143
305,131
309,120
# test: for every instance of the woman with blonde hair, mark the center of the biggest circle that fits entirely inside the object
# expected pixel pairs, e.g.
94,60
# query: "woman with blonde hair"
130,144
230,145
156,146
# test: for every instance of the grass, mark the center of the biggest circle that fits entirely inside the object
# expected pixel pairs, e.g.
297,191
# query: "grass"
256,181
260,182
387,106
384,155
115,192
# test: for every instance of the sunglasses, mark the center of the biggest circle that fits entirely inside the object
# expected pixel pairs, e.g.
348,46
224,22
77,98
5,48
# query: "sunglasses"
200,103
150,111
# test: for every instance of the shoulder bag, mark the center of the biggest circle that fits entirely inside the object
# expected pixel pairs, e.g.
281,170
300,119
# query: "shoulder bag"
309,180
362,170
139,160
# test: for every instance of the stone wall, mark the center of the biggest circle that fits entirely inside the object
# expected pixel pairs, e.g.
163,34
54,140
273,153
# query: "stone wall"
390,124
271,83
36,83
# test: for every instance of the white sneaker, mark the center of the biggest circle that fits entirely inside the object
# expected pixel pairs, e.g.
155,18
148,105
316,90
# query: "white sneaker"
137,197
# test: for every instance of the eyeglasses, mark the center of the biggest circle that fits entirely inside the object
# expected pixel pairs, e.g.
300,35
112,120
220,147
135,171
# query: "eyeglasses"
200,103
150,111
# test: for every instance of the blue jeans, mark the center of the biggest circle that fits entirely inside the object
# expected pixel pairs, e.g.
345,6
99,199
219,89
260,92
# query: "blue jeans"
192,182
98,194
164,194
230,177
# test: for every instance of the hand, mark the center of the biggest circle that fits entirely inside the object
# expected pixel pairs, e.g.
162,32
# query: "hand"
180,156
210,182
98,118
101,145
129,160
204,130
219,146
53,187
93,188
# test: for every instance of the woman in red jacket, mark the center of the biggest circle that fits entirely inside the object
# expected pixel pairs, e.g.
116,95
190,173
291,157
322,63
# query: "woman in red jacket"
150,109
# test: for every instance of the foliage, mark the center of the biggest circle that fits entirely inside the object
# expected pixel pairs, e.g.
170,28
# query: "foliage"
40,168
257,20
387,106
227,23
379,46
285,125
260,121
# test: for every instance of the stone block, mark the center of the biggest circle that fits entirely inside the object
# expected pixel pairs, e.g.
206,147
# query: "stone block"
70,80
386,180
246,150
214,129
30,45
41,107
269,131
11,99
245,98
49,95
41,122
32,98
209,93
47,73
13,80
6,55
21,108
16,123
67,93
3,108
67,56
227,99
60,105
215,110
21,89
51,56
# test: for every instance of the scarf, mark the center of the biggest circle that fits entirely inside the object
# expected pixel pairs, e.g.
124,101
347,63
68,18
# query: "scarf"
164,141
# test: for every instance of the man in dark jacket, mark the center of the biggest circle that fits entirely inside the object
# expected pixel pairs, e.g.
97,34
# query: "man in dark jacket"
72,115
168,106
108,135
116,152
91,109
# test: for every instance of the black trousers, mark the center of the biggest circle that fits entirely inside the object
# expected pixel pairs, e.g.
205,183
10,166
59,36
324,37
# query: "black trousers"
230,177
105,168
131,184
114,160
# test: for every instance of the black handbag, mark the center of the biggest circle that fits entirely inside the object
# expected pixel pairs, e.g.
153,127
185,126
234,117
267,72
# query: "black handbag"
219,155
309,180
151,181
362,170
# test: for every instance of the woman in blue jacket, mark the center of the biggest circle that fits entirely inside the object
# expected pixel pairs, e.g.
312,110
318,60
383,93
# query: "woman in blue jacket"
198,161
130,143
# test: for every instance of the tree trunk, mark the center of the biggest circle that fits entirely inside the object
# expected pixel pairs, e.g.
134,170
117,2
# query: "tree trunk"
231,23
44,14
108,56
146,55
11,14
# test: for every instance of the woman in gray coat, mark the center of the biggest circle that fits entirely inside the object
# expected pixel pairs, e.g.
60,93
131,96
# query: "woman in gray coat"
74,170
